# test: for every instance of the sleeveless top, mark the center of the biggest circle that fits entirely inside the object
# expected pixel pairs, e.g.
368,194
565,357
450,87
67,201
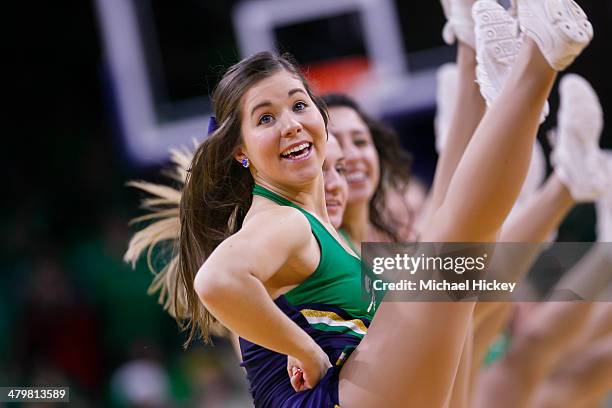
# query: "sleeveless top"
347,239
329,305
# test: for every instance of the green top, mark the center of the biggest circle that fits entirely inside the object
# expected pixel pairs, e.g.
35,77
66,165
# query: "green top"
346,237
337,280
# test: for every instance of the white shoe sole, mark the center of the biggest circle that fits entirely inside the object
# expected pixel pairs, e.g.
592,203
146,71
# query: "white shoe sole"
560,28
497,45
580,109
577,158
459,25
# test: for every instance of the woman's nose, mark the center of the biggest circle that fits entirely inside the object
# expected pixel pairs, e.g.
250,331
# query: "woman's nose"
290,125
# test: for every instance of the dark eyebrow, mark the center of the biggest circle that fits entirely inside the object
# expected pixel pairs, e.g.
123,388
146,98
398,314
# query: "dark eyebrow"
268,103
260,105
295,90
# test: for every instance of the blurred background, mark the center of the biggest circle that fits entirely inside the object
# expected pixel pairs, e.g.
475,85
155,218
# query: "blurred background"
98,92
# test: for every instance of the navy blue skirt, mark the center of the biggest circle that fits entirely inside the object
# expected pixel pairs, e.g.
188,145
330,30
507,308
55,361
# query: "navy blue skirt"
325,394
269,382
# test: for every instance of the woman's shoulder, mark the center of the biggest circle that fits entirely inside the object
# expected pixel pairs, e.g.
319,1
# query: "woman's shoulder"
267,240
275,221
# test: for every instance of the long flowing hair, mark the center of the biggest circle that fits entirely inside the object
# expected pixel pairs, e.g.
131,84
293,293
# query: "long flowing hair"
215,196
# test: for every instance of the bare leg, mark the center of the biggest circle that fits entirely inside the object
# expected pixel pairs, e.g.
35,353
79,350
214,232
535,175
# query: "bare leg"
600,324
412,350
501,149
469,110
460,396
593,273
575,377
535,220
541,214
484,335
546,336
584,377
512,381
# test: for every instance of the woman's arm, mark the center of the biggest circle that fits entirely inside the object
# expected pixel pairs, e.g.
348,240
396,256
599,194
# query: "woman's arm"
232,285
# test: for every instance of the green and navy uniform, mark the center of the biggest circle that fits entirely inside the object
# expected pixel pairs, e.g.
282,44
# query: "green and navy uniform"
330,306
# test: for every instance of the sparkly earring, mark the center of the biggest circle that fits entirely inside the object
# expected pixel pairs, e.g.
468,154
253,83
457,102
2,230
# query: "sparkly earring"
245,162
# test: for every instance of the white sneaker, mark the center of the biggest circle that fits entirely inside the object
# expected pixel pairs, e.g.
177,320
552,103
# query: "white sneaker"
498,42
559,27
577,158
446,94
459,24
604,208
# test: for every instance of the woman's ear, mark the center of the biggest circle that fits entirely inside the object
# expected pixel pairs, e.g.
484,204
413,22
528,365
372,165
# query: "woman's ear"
240,154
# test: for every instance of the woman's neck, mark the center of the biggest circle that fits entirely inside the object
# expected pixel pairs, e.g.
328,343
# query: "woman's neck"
310,196
356,221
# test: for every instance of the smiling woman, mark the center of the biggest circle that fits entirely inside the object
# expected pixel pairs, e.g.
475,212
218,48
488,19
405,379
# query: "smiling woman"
377,166
258,252
283,122
217,192
336,186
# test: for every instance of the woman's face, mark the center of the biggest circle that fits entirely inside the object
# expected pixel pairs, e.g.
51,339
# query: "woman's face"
283,132
336,187
362,163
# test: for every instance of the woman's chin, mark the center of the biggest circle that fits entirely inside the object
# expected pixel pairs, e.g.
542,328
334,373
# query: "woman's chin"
336,220
302,176
359,196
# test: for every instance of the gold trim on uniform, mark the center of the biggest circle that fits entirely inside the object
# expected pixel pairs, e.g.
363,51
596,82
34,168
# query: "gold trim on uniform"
333,316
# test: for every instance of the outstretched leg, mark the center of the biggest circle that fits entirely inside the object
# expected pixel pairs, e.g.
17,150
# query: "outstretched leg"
584,377
580,176
545,337
412,350
469,108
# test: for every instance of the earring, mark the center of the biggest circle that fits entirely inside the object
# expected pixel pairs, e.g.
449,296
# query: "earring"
245,162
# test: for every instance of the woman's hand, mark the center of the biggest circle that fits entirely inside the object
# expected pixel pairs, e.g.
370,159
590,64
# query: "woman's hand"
305,374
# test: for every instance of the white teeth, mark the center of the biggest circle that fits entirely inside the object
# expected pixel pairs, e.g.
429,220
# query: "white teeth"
356,176
295,149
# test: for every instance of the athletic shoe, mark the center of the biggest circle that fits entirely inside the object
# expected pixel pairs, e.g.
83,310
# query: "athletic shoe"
577,158
446,93
498,42
459,24
604,208
559,27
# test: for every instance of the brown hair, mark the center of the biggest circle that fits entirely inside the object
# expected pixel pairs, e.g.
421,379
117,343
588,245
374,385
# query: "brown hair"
217,191
163,229
395,164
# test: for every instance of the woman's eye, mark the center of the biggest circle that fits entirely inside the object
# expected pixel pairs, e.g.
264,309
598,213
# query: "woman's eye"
360,142
264,119
298,106
341,170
